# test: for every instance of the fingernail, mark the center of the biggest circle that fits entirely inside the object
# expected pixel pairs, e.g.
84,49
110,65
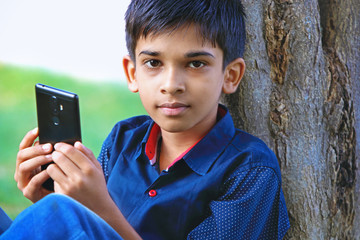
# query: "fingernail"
35,131
77,144
46,147
49,156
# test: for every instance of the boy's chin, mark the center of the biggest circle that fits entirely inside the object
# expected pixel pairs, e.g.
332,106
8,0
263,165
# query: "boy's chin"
174,125
173,128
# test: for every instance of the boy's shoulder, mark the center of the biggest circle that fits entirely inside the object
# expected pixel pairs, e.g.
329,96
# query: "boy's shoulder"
244,140
257,152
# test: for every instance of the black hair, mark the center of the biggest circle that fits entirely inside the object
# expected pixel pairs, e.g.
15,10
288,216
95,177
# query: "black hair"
220,22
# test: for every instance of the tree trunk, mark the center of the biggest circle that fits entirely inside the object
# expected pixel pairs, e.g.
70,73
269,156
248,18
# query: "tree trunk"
300,94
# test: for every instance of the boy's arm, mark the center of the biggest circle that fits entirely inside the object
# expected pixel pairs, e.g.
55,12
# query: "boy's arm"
251,207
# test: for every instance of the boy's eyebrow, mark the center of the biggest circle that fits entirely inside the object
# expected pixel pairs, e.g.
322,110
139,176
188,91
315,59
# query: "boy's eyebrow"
151,53
197,54
187,55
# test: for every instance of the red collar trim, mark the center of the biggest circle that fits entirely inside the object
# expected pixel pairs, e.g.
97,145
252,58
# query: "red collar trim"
151,144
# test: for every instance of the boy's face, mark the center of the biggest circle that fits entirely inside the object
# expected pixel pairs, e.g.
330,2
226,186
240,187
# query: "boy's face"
179,78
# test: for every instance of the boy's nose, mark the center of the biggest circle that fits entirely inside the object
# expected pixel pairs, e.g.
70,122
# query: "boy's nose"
173,82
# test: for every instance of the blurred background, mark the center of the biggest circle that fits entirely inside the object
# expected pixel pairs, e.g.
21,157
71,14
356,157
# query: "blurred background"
73,45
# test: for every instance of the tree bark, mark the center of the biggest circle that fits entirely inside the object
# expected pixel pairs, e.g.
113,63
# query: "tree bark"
301,95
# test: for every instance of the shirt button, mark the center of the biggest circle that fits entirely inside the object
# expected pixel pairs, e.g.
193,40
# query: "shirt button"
152,193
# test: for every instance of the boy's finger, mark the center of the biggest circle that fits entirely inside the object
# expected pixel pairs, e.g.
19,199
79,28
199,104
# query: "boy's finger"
79,158
29,153
29,139
56,173
30,166
27,168
34,151
86,151
63,162
35,184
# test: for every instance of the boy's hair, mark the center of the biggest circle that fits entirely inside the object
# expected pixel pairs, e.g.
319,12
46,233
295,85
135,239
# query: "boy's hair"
220,22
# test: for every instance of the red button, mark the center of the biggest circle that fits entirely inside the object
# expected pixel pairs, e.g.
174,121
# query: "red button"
152,193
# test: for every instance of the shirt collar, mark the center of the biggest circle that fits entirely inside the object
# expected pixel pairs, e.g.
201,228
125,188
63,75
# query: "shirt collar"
201,156
205,153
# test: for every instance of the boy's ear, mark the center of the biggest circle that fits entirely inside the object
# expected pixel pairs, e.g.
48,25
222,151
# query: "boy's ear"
130,73
234,72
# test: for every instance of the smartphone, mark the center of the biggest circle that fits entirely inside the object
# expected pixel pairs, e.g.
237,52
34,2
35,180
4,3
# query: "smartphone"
58,118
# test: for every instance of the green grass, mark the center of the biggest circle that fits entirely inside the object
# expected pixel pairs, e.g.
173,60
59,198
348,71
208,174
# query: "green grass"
102,104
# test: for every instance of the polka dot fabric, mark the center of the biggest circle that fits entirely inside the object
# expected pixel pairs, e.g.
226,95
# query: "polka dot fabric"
104,160
249,208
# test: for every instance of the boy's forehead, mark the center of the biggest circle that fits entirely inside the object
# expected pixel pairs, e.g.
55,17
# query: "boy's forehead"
190,34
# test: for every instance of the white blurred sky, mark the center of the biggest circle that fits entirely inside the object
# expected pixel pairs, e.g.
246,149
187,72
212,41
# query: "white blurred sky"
82,38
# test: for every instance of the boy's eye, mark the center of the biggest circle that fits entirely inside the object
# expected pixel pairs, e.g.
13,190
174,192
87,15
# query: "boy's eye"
152,63
196,64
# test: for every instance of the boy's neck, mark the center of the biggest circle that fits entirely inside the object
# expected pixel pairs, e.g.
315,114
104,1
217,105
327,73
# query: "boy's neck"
174,144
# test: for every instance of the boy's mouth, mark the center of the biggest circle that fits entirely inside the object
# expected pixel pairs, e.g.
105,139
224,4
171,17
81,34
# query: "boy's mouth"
173,109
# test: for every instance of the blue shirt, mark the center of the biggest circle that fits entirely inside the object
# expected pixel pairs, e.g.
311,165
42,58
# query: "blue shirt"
228,186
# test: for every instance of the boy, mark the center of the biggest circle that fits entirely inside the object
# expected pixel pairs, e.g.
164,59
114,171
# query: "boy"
182,172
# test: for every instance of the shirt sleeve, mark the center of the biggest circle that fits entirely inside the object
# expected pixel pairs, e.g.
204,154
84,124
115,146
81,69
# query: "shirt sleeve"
252,206
104,158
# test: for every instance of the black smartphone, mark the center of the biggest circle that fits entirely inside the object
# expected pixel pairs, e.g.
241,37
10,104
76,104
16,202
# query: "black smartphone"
58,118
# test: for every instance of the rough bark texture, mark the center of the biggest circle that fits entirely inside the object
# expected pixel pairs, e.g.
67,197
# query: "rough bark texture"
301,95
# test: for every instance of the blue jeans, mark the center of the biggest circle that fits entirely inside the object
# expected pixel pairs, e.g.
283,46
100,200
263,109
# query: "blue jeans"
58,217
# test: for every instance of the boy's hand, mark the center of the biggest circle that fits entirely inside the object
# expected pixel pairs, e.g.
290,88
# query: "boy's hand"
78,174
30,158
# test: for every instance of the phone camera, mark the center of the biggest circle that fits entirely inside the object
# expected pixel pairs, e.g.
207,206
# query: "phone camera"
54,105
56,121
